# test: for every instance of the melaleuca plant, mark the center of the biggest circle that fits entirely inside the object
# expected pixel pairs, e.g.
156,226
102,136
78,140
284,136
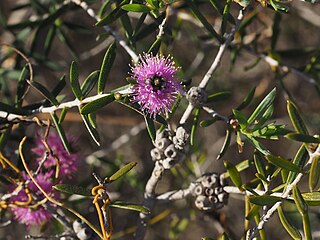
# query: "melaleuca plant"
199,117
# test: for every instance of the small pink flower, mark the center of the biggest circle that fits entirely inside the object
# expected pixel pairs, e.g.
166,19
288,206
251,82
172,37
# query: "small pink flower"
68,161
25,214
156,89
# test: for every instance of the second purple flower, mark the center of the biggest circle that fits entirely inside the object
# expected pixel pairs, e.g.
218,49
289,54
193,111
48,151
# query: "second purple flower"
156,89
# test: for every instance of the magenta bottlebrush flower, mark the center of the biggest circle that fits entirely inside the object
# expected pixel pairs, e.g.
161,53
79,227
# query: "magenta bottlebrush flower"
156,88
37,214
68,161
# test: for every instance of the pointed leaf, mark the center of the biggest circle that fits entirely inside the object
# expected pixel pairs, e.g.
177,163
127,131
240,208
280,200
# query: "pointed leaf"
89,83
74,80
282,163
122,171
296,118
299,160
91,129
194,126
44,92
314,173
312,198
263,106
72,189
264,200
93,106
130,206
134,7
225,145
61,132
150,127
292,230
106,66
154,49
303,138
299,201
111,17
234,174
247,100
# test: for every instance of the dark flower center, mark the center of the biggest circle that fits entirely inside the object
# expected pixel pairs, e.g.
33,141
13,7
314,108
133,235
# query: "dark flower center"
157,82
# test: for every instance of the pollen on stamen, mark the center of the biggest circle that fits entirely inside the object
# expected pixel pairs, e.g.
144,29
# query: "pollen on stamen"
157,88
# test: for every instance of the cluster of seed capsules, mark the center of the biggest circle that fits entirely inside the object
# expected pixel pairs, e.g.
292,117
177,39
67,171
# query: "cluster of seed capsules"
209,193
82,231
170,148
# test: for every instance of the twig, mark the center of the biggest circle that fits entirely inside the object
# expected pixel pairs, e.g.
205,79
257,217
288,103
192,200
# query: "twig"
215,64
149,198
285,194
177,194
52,109
117,37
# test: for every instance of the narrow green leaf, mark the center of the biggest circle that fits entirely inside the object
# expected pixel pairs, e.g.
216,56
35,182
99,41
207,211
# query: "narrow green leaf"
111,17
61,132
44,92
225,145
259,164
91,129
245,164
234,174
312,198
203,20
282,163
62,115
264,200
299,160
292,230
247,100
89,83
93,106
22,84
74,80
260,147
154,49
130,206
314,173
219,96
49,40
296,118
265,117
303,138
106,66
92,120
194,126
11,109
57,89
242,119
150,127
122,171
298,199
134,7
208,122
263,106
225,17
72,189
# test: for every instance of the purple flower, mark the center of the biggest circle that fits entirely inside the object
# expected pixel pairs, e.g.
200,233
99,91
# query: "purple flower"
156,88
68,162
32,213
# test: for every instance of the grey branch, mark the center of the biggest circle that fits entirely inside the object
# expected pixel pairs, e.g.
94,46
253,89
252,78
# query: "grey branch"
117,37
215,64
285,194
